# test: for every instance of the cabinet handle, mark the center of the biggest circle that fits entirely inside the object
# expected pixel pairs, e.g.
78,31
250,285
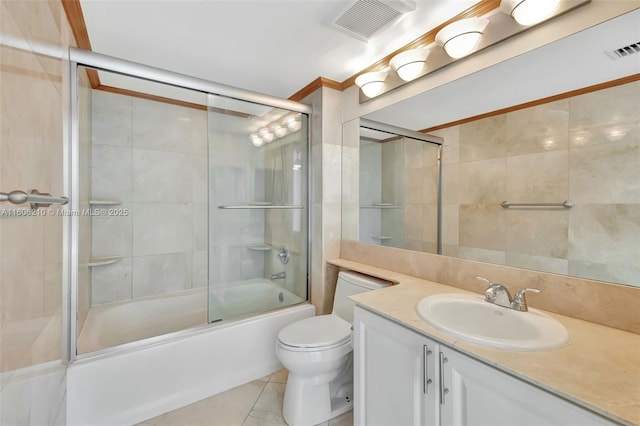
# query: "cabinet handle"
426,381
443,390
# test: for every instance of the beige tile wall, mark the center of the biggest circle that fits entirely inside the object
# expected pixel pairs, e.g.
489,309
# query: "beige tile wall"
31,150
585,149
599,302
287,227
326,192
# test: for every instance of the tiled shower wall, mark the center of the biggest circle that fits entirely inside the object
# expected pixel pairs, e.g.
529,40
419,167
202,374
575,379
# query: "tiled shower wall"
152,157
237,178
370,223
287,227
382,177
585,149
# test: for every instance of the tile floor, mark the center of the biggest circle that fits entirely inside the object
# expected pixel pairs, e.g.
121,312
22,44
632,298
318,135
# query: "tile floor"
256,403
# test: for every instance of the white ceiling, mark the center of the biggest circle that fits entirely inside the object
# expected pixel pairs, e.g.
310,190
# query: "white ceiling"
275,47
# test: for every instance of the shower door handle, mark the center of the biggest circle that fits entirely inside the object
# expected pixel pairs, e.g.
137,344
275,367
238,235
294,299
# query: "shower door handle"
36,198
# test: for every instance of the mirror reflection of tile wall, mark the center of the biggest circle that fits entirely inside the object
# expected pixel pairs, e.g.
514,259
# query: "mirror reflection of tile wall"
585,149
381,215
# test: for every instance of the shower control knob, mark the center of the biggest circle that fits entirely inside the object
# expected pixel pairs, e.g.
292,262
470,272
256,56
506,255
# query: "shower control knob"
283,254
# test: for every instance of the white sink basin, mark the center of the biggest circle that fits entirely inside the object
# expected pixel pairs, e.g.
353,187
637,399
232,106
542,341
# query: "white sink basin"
472,319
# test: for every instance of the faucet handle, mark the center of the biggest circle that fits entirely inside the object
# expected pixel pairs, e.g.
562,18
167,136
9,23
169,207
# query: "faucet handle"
489,283
519,301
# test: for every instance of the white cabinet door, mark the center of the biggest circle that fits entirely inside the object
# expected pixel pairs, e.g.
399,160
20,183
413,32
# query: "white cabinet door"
395,374
477,394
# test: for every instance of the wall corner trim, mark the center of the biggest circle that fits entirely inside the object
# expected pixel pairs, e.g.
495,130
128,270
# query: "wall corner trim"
313,86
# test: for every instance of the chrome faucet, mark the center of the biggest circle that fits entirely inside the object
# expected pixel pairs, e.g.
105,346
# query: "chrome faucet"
520,302
499,295
279,276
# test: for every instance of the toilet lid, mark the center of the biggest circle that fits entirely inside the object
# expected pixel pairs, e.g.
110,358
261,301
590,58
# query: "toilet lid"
323,330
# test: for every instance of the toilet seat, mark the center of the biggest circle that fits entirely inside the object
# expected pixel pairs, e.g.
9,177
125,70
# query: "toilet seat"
316,333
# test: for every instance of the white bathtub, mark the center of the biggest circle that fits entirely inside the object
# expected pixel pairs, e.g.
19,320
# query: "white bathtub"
117,323
129,386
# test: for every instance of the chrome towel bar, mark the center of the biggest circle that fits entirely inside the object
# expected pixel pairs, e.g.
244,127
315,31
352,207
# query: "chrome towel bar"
566,204
36,198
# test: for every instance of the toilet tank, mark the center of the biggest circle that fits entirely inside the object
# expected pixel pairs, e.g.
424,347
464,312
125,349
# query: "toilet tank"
350,283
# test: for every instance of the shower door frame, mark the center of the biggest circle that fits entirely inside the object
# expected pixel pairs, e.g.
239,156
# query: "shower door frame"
77,58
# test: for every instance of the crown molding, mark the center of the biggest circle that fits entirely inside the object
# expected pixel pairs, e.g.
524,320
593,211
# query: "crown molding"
315,85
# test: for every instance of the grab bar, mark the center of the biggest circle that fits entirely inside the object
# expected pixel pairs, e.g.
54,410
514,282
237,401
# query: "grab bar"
567,204
36,198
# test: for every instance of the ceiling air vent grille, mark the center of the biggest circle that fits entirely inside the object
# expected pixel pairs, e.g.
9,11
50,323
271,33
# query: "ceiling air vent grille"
625,51
364,18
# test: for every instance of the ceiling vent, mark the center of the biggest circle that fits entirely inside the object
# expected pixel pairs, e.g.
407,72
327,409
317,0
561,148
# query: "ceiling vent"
625,51
363,18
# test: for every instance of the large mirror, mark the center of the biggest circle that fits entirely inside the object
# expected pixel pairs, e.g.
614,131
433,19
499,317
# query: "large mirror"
573,161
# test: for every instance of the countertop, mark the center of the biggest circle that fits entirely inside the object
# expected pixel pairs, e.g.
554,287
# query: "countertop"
599,369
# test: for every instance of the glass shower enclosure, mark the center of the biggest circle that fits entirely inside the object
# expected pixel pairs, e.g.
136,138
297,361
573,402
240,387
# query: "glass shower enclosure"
257,208
189,207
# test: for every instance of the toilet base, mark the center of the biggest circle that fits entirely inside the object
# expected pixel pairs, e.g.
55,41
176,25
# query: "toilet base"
307,403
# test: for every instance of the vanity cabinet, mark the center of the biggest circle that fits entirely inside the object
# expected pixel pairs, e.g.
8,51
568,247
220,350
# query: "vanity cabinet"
398,382
395,374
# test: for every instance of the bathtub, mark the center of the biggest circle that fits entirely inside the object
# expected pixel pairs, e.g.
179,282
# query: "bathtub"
117,323
247,297
137,383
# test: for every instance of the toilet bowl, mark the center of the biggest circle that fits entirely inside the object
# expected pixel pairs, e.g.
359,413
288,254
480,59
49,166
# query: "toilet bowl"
317,351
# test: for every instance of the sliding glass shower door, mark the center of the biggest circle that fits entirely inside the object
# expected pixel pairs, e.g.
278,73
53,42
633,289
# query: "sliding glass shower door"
258,210
187,208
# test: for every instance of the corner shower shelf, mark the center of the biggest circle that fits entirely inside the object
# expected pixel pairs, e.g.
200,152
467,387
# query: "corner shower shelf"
258,247
102,261
104,202
381,206
254,207
381,237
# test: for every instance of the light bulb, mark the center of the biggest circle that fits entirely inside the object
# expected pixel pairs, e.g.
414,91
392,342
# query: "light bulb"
460,46
460,38
529,12
278,130
371,83
256,140
266,135
409,64
293,123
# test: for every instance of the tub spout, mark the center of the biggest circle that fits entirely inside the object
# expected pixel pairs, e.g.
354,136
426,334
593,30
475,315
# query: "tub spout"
279,276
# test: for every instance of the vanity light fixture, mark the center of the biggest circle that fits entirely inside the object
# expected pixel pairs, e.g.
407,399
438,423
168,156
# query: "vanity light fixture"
461,37
410,63
529,12
256,140
371,83
277,129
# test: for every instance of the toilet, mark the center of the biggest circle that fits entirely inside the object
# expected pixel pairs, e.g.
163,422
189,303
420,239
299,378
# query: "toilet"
317,351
